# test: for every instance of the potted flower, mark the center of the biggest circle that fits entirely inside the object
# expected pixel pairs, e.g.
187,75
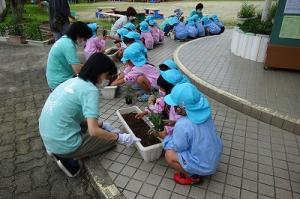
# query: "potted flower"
15,34
129,96
246,12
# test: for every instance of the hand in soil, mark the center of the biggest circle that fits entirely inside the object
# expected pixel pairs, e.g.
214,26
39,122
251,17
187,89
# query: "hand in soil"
141,115
169,123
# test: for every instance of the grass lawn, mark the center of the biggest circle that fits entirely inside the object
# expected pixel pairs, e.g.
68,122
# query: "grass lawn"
227,10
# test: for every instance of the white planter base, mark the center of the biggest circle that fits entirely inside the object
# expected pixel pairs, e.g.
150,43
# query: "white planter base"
149,153
109,92
249,46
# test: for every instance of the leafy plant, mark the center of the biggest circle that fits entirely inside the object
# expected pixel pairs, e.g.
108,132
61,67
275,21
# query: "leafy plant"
272,11
16,30
157,121
3,29
257,26
32,31
247,10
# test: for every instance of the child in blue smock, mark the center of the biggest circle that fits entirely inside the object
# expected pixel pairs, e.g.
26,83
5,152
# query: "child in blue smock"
191,28
180,32
210,27
199,26
219,23
167,25
194,149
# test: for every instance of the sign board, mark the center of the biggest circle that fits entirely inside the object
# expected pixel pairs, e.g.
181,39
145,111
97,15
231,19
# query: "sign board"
286,28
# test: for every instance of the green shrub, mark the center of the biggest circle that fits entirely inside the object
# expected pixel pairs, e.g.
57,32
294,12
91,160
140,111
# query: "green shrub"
3,29
16,30
33,32
272,11
247,10
257,26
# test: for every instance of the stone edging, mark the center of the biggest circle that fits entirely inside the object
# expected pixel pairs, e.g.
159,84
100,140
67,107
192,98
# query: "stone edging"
100,180
30,42
266,115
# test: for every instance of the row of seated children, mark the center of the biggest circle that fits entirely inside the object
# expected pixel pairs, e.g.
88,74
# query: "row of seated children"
194,26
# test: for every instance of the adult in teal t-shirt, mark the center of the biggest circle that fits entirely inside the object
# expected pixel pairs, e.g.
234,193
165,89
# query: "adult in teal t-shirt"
73,107
63,62
197,11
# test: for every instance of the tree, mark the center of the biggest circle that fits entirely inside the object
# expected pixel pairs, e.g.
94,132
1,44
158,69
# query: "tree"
17,7
266,10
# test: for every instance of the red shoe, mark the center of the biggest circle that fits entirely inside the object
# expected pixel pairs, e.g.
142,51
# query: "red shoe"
182,179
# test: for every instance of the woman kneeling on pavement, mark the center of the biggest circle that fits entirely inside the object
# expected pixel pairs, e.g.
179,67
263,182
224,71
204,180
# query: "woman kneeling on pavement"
69,124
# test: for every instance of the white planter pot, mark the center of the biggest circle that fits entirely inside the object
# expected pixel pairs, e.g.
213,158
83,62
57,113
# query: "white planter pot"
234,40
255,47
262,47
149,153
242,44
242,20
109,92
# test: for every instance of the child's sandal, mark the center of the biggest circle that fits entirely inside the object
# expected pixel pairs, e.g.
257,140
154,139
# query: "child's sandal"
182,179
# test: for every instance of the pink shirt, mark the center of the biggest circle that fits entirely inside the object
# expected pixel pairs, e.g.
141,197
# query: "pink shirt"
93,45
149,71
155,34
148,39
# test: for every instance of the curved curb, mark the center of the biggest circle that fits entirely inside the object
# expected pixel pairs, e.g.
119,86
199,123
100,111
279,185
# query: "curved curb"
261,113
101,181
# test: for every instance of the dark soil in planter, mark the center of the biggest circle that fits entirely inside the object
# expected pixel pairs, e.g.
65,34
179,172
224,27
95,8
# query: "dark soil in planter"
140,128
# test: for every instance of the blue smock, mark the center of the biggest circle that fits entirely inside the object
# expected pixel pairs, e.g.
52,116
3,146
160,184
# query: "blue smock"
180,31
198,146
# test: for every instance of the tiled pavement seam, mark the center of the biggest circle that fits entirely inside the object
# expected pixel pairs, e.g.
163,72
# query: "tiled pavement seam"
242,104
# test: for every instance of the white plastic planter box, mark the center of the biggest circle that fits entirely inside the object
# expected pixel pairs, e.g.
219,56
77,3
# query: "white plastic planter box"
149,153
249,46
109,92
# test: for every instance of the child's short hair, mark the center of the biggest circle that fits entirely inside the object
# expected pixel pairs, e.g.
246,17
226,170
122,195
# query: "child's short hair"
161,82
127,40
199,6
163,67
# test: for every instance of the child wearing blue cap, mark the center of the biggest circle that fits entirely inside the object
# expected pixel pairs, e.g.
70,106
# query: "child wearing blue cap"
138,71
157,34
134,37
146,35
210,27
219,23
94,44
170,64
180,32
194,149
199,25
166,81
191,28
129,26
167,25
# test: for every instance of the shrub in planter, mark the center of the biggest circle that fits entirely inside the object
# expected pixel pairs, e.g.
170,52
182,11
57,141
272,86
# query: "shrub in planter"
247,11
257,26
33,32
3,29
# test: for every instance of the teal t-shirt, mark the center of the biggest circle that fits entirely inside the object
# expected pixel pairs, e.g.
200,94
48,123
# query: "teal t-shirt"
194,12
61,56
66,107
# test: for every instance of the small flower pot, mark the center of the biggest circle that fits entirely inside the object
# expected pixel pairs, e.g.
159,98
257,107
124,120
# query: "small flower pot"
241,20
16,39
109,92
128,99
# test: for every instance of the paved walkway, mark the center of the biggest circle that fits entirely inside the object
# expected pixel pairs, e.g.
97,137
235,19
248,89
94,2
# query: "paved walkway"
258,161
211,60
25,171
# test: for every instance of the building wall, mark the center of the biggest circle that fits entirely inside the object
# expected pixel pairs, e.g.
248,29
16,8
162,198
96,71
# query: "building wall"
2,6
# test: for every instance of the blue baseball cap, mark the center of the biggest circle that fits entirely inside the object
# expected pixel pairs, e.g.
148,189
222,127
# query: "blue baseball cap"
134,54
152,22
192,100
129,26
170,63
173,21
93,27
122,32
149,18
144,27
133,35
173,76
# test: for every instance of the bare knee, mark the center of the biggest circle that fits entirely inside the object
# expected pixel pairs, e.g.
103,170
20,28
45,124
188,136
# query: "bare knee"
141,79
171,156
